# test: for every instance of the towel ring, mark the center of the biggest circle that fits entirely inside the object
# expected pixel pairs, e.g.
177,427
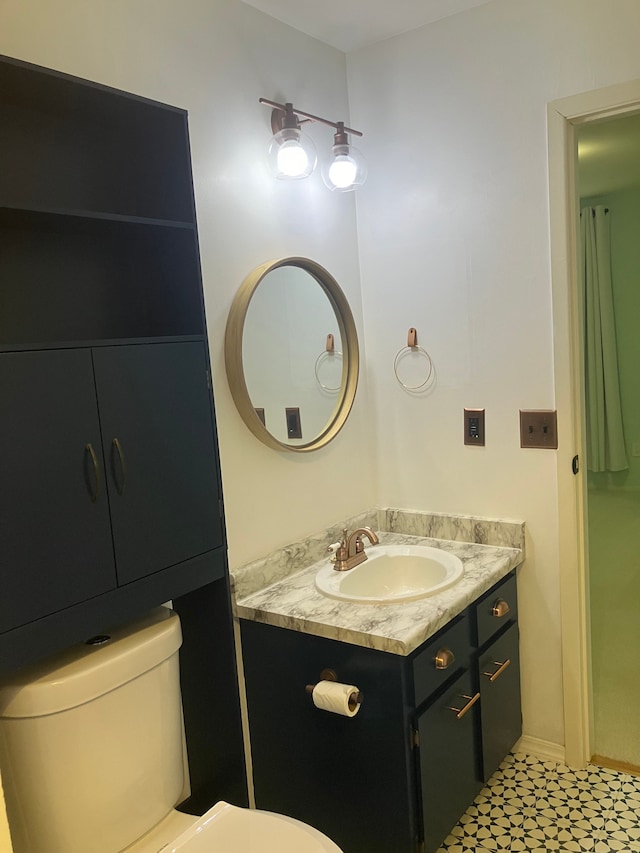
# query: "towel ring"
412,345
328,352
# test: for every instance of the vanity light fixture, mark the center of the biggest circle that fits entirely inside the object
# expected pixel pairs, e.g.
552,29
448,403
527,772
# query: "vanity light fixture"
292,153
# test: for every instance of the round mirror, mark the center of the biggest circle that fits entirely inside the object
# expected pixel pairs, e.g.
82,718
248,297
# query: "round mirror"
291,352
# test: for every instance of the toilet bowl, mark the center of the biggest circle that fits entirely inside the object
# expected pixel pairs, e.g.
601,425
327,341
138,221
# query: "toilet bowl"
229,829
92,753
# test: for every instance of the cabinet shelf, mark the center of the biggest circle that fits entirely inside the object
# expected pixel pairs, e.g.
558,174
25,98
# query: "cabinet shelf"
80,221
81,146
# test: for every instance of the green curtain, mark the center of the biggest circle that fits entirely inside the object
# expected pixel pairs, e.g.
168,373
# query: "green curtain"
605,436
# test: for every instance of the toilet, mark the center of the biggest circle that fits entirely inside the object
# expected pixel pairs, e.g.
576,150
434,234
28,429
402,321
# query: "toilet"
93,756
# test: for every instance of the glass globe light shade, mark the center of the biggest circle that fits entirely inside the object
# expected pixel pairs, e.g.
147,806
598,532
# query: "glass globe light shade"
292,154
345,170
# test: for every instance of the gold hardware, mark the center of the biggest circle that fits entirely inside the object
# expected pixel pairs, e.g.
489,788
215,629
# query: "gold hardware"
96,472
123,468
443,658
500,608
415,738
351,551
493,676
330,345
460,712
412,346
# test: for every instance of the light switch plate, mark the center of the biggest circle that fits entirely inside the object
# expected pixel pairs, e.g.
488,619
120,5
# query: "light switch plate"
539,428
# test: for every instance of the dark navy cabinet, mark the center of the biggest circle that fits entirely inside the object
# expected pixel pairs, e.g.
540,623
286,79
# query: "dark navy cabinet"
110,490
431,729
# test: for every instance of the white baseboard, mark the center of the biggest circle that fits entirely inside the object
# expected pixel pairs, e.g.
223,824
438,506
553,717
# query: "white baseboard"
543,749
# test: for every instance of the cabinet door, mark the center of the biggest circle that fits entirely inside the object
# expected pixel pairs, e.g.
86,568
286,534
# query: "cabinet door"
447,760
158,439
499,675
55,539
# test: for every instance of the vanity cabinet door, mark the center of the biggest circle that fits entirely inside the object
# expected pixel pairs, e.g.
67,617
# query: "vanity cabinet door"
55,537
447,764
500,714
159,448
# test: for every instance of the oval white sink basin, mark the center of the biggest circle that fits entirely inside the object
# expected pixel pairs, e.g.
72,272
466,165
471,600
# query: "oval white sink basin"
391,574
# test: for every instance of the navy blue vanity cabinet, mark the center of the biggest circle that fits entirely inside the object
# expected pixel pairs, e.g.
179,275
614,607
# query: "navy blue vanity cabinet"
110,486
432,726
350,777
497,663
447,758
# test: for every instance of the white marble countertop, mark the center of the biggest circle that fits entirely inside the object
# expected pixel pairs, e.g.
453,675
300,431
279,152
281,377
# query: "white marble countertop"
294,602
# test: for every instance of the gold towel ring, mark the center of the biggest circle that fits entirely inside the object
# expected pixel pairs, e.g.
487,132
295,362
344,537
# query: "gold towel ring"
412,346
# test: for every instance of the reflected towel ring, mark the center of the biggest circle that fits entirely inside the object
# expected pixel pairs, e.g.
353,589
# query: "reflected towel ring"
412,346
323,355
328,352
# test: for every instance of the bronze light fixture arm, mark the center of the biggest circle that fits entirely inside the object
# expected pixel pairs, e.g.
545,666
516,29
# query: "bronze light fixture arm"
285,108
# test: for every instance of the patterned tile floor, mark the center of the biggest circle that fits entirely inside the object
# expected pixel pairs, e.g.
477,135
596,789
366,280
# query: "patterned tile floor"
529,804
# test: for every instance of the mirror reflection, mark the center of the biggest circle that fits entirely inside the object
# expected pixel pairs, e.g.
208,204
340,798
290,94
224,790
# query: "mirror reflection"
288,321
292,355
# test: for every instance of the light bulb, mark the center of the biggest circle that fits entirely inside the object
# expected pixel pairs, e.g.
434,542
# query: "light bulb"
346,169
292,159
342,171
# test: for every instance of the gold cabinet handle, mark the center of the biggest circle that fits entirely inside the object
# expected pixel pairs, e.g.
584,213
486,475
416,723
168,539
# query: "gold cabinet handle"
460,712
502,665
95,491
123,468
500,608
443,658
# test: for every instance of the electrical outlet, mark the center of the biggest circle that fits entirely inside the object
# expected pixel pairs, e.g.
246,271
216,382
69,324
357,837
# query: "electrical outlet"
539,428
294,425
474,426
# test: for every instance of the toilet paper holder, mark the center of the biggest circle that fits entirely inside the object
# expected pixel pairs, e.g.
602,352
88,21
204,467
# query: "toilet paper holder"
330,675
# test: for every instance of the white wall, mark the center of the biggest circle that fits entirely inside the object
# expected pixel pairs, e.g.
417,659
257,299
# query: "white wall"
454,239
216,58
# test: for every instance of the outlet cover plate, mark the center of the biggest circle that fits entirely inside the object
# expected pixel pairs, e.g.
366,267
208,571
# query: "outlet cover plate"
474,427
539,428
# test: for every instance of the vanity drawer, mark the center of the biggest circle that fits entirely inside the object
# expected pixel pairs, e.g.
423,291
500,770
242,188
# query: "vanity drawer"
495,609
441,658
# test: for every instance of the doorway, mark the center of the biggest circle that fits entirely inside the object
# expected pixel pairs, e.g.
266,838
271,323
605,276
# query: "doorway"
608,185
596,577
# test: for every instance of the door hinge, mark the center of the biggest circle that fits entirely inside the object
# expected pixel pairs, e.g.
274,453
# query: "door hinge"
220,508
208,379
415,738
420,848
575,464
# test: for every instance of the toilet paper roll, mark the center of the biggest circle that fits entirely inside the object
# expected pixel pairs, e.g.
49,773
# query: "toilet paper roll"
336,697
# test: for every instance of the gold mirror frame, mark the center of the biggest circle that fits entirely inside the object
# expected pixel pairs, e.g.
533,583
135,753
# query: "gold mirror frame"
349,344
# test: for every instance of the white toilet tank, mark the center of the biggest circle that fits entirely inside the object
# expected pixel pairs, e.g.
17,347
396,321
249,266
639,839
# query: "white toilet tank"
91,746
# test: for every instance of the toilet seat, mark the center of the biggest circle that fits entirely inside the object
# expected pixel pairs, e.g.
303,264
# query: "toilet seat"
229,829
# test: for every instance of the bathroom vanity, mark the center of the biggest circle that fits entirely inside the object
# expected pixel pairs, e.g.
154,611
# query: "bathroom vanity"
440,686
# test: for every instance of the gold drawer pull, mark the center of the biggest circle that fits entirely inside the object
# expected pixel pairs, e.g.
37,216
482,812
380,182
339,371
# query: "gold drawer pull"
493,676
500,608
443,658
460,712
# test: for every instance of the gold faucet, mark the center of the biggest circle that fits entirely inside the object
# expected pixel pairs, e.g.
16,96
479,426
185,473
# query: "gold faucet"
351,551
